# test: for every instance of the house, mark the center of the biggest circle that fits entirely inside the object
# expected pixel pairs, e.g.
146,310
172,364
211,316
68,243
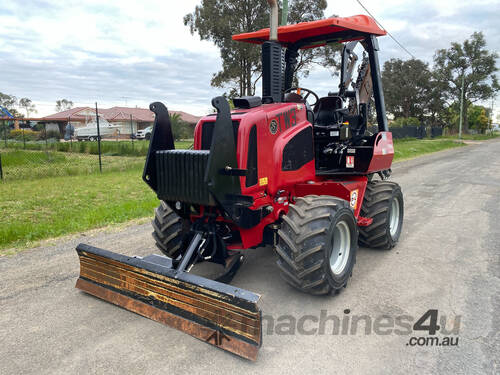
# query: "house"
128,119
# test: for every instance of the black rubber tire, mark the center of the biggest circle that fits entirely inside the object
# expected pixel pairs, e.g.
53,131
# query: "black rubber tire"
305,244
147,137
377,205
168,230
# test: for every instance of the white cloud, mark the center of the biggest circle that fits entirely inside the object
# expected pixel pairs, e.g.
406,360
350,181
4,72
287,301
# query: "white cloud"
93,50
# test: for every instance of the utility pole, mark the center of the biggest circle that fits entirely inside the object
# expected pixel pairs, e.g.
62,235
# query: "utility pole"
491,116
125,98
461,109
284,13
132,131
98,137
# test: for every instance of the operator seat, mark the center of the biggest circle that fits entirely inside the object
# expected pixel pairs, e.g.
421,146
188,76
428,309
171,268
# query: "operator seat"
328,111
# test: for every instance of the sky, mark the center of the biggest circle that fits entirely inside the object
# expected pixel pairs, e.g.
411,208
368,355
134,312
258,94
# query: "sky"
130,53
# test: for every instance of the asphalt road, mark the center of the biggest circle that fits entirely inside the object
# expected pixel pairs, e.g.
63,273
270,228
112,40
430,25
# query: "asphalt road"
447,259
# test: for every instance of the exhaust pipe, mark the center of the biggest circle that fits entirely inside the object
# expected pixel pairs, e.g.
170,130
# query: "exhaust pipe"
273,29
272,59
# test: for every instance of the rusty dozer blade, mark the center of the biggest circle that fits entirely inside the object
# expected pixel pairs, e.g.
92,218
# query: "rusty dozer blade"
217,313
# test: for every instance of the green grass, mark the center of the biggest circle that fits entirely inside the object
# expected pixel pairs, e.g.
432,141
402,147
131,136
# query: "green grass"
408,148
475,137
28,164
21,158
23,165
51,207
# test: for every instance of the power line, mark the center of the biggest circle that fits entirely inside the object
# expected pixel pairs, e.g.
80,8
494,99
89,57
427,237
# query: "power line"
388,33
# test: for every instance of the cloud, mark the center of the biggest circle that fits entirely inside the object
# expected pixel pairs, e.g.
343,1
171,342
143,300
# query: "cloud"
113,53
179,80
422,27
137,52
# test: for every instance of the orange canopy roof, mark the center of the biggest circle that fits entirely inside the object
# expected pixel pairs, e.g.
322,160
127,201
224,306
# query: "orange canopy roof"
314,30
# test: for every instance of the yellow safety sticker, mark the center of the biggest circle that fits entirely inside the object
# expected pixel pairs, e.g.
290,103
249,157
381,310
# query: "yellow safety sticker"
262,181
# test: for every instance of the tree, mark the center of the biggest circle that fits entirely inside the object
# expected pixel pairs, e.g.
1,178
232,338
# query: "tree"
478,117
407,87
437,108
28,106
63,105
180,128
472,62
8,101
218,20
450,115
327,56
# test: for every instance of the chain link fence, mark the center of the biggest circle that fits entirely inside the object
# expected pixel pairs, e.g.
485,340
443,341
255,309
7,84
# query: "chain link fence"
31,153
412,131
27,153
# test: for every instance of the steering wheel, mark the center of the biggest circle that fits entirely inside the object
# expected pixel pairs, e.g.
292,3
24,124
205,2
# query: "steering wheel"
299,90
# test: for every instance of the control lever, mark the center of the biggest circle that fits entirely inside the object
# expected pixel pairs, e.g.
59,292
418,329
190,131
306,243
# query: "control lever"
335,148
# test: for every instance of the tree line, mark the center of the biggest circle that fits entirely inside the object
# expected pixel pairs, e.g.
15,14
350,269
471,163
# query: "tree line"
415,92
14,105
219,20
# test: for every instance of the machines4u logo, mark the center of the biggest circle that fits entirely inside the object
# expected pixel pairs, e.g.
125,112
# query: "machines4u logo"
283,121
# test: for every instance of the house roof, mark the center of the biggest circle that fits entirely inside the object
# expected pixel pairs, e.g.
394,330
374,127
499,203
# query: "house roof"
339,28
117,114
124,113
187,117
65,114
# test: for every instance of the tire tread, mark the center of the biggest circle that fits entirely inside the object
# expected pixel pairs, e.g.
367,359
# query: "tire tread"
301,244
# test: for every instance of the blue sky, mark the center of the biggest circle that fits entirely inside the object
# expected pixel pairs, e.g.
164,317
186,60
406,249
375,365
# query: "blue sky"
126,52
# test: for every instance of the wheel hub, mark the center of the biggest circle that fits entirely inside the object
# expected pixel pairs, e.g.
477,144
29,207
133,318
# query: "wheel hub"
341,248
394,218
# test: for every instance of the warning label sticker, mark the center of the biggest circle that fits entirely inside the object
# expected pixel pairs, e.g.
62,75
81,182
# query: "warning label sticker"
349,161
354,199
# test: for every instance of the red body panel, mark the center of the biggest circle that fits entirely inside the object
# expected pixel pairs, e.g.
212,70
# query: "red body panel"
276,187
350,188
383,153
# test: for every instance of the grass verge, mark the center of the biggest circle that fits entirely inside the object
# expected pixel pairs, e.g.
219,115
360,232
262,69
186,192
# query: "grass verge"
51,207
24,165
409,148
474,137
20,164
33,210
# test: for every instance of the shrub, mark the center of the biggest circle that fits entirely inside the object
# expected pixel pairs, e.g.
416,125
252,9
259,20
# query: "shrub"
81,147
50,134
405,121
64,147
53,134
23,134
